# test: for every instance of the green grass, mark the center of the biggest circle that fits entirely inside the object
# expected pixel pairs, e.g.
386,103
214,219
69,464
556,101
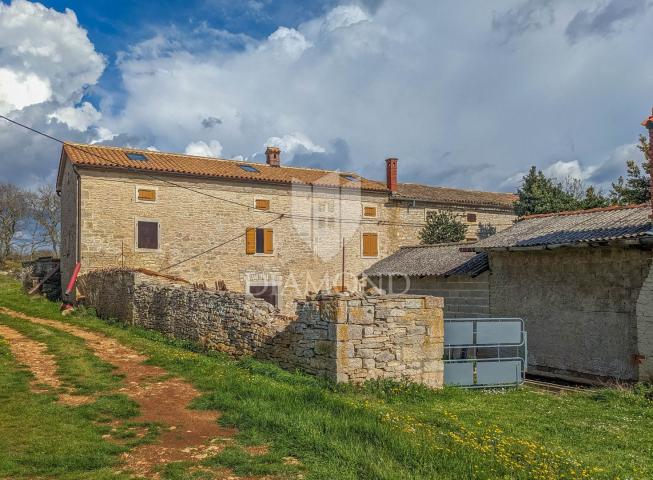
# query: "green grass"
386,430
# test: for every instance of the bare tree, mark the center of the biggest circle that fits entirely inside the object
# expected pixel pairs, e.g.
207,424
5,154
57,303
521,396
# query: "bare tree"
13,210
45,210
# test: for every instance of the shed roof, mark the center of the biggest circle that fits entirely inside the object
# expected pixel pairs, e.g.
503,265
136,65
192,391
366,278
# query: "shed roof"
440,260
568,228
162,162
444,195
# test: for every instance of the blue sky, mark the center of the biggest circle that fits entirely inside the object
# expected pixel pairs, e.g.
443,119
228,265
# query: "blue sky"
466,94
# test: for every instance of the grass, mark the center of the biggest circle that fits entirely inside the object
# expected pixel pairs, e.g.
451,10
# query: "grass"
383,430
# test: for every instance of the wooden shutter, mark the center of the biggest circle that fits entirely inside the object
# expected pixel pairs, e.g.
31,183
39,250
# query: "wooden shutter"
148,235
370,245
146,195
262,204
268,242
369,211
250,241
471,217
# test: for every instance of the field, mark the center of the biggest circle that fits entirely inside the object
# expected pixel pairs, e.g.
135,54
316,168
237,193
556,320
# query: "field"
276,424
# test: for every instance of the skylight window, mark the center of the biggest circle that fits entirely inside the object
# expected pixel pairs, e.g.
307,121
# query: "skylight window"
351,178
249,168
139,157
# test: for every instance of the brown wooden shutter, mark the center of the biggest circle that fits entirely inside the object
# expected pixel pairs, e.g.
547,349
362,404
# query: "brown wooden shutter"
148,235
146,195
370,245
369,211
471,217
250,241
262,204
268,242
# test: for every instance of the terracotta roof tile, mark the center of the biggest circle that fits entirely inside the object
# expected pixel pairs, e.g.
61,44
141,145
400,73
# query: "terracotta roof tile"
411,191
161,162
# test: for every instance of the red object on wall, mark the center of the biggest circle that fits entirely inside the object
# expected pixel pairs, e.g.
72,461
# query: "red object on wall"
73,278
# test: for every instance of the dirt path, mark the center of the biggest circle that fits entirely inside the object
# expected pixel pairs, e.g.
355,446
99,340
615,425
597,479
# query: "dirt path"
42,364
187,434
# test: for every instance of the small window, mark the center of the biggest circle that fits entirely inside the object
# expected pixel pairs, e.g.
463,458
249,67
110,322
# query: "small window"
262,204
146,195
147,235
370,245
471,217
139,157
259,241
269,293
249,168
350,178
369,211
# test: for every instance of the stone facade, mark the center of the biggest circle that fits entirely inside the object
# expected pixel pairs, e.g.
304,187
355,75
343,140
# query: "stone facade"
344,337
100,210
464,296
588,311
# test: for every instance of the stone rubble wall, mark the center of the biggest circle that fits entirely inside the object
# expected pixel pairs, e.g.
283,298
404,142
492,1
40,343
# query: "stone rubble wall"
343,337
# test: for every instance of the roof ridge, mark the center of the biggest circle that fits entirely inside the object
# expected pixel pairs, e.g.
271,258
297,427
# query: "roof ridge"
581,212
445,244
455,188
176,154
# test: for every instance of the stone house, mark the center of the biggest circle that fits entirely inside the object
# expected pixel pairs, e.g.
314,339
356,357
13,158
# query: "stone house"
271,230
583,283
443,270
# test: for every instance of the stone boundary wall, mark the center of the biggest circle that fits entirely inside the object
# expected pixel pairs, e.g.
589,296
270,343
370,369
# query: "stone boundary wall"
344,337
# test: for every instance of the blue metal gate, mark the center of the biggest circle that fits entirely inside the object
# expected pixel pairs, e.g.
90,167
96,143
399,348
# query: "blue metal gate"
484,352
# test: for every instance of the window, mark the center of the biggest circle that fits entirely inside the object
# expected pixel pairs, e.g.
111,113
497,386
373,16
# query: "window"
350,178
249,168
269,293
136,156
259,241
471,217
262,204
370,245
147,235
369,211
146,195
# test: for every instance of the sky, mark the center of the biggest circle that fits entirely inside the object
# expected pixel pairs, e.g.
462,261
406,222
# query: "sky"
466,94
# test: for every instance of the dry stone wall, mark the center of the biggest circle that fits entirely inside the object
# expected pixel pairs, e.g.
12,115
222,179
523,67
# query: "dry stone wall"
344,337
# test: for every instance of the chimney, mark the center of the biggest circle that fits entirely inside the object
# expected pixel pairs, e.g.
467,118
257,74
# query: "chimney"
391,174
273,156
648,123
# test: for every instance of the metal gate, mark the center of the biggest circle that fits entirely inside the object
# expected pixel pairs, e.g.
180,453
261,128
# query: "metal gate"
484,352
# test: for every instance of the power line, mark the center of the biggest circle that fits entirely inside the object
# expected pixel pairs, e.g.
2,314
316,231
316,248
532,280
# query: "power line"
174,184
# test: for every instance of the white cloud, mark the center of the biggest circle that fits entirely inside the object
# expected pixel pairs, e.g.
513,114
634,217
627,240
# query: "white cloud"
77,118
203,149
45,55
344,16
285,43
571,169
293,143
19,90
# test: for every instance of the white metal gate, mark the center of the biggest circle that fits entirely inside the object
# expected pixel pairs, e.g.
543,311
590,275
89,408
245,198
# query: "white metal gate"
484,352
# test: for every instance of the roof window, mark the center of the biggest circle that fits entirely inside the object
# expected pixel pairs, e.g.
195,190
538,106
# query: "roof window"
351,178
139,157
249,168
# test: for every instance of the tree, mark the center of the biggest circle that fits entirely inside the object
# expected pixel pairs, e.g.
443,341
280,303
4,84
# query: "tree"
13,210
635,189
541,194
442,227
45,210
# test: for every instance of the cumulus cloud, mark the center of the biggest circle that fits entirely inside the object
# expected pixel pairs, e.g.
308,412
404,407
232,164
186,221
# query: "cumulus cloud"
45,55
344,16
294,142
203,149
78,118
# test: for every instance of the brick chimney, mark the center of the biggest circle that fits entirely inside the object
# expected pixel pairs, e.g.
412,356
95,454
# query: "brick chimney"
391,174
648,123
273,156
